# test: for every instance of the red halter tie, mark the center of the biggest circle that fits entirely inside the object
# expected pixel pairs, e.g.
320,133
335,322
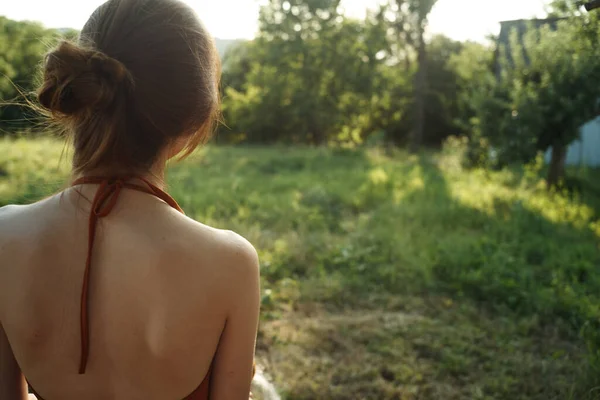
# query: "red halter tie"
104,201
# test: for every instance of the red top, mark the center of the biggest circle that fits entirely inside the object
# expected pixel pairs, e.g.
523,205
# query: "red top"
104,201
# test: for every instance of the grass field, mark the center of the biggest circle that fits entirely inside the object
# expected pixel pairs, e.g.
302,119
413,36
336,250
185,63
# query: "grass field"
389,276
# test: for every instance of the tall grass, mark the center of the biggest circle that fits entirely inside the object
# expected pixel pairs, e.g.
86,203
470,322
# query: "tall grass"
388,275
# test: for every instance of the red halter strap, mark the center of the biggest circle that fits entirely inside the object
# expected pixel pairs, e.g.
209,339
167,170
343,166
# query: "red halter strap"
104,201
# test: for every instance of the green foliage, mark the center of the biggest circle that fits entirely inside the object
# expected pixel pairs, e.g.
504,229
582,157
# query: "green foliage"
410,22
565,8
308,77
442,100
546,91
556,93
408,18
311,76
394,276
22,46
315,76
472,65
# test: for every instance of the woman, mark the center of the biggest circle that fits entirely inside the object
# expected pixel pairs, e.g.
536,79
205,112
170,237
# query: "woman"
107,290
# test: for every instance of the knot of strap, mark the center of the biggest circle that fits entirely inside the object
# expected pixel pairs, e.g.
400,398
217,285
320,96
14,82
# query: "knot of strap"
104,201
106,197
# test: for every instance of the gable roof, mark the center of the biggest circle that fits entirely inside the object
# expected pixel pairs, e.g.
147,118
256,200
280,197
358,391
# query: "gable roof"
522,26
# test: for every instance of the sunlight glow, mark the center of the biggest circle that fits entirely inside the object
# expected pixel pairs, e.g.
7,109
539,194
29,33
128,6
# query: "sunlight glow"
237,19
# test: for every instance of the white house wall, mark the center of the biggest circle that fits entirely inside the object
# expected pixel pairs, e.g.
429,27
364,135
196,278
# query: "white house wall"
585,151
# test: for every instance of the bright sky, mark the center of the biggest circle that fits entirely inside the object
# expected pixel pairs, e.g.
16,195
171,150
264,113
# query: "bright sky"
232,19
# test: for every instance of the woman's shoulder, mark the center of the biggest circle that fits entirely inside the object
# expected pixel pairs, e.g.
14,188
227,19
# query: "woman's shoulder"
21,227
235,247
226,250
17,220
6,213
13,234
224,261
12,218
9,210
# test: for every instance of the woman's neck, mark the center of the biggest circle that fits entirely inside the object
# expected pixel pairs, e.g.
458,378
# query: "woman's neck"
155,175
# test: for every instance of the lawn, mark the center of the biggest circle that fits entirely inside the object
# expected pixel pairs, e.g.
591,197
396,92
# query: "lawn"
391,276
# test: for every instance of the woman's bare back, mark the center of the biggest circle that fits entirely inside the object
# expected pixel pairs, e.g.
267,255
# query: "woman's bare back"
169,298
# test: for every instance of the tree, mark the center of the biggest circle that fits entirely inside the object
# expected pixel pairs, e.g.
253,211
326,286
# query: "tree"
564,8
299,37
308,77
548,89
411,22
236,64
442,95
22,47
472,66
315,76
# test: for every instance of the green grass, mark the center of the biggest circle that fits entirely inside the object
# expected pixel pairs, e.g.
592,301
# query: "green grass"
389,276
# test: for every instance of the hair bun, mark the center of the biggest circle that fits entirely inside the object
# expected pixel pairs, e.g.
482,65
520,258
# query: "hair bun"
78,79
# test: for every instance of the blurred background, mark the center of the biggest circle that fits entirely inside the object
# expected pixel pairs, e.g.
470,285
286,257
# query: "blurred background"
419,177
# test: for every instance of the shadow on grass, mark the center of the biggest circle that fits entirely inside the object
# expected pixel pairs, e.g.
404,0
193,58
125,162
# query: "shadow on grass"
514,261
428,296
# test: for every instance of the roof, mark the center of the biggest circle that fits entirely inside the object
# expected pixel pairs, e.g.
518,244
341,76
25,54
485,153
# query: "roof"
521,26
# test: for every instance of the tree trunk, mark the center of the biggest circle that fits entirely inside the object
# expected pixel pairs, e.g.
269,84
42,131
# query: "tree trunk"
556,171
420,87
318,137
